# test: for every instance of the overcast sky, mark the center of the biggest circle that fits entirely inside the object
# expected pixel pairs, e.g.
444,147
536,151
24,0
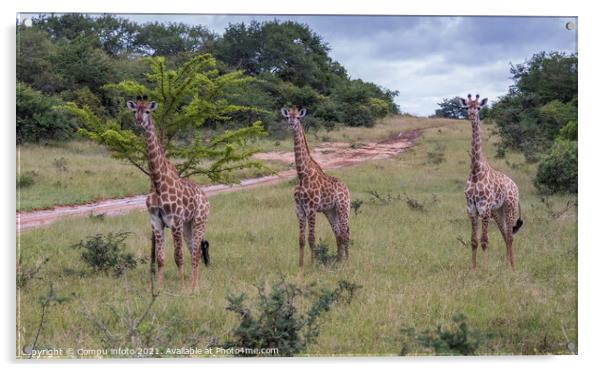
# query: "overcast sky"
426,59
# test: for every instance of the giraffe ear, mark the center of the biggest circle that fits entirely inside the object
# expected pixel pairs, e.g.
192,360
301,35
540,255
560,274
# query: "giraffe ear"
131,105
483,102
284,112
152,106
462,102
302,112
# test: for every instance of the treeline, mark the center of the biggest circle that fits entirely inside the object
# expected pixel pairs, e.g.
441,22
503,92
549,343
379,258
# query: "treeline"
538,116
72,58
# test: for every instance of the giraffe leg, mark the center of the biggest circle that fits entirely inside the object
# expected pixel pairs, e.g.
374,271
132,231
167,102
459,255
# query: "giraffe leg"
343,217
509,236
177,233
474,240
311,238
485,237
301,217
198,234
158,245
333,219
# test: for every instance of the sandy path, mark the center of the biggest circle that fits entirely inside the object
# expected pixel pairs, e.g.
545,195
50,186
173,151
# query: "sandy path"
330,155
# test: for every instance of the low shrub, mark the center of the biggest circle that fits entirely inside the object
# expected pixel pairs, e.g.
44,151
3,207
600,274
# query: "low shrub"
459,339
105,253
277,323
557,172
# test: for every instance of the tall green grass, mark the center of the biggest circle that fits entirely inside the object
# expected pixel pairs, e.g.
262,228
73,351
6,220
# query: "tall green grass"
411,264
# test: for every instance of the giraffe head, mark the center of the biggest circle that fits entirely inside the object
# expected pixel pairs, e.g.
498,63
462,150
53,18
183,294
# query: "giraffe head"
293,115
473,106
142,109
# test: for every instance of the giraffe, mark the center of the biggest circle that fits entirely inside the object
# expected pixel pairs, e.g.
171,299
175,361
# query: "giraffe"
317,192
173,202
489,193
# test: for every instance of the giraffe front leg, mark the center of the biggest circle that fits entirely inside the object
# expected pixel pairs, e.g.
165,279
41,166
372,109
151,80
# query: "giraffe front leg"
485,237
177,233
158,249
474,240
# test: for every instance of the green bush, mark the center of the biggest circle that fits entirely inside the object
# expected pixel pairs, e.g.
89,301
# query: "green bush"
105,253
459,339
569,131
36,121
557,172
25,179
276,321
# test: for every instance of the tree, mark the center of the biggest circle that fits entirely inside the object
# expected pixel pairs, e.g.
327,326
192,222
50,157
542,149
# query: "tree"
188,97
34,53
451,108
35,119
81,64
546,77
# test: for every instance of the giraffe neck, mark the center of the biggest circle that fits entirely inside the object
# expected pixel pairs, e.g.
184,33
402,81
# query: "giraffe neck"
477,158
303,160
157,162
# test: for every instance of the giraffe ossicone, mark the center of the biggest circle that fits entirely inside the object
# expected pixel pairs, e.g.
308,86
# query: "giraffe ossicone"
173,201
316,192
489,192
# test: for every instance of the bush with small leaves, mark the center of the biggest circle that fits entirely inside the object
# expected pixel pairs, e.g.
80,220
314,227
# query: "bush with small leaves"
277,322
105,253
459,339
557,172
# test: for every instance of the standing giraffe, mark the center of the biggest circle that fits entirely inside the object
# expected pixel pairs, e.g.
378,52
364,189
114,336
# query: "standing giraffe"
317,192
172,202
489,193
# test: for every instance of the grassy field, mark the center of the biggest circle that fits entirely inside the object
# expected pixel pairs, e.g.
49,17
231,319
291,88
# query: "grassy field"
80,171
411,263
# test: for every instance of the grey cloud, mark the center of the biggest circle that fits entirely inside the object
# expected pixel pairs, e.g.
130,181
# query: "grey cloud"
425,58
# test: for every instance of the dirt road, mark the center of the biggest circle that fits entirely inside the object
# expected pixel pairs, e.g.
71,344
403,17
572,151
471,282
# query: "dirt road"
329,155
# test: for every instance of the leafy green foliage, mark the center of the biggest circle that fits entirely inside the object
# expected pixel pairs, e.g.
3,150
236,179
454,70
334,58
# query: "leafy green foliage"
451,108
541,102
36,121
105,253
459,339
188,97
86,60
539,117
557,172
321,255
25,179
277,323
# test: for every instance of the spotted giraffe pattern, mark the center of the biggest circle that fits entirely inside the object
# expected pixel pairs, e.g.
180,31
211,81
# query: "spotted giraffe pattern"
317,192
489,193
173,202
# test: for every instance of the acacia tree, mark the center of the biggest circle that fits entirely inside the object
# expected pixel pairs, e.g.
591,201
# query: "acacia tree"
188,97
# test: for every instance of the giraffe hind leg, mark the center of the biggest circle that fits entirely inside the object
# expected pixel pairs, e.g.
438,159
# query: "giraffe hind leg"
198,232
302,222
333,219
509,236
343,219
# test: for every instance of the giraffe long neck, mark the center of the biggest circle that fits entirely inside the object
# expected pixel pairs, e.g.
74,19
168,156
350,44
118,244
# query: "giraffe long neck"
477,158
303,159
157,162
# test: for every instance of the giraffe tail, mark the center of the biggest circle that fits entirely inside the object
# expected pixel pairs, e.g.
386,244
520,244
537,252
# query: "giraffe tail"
519,222
205,252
